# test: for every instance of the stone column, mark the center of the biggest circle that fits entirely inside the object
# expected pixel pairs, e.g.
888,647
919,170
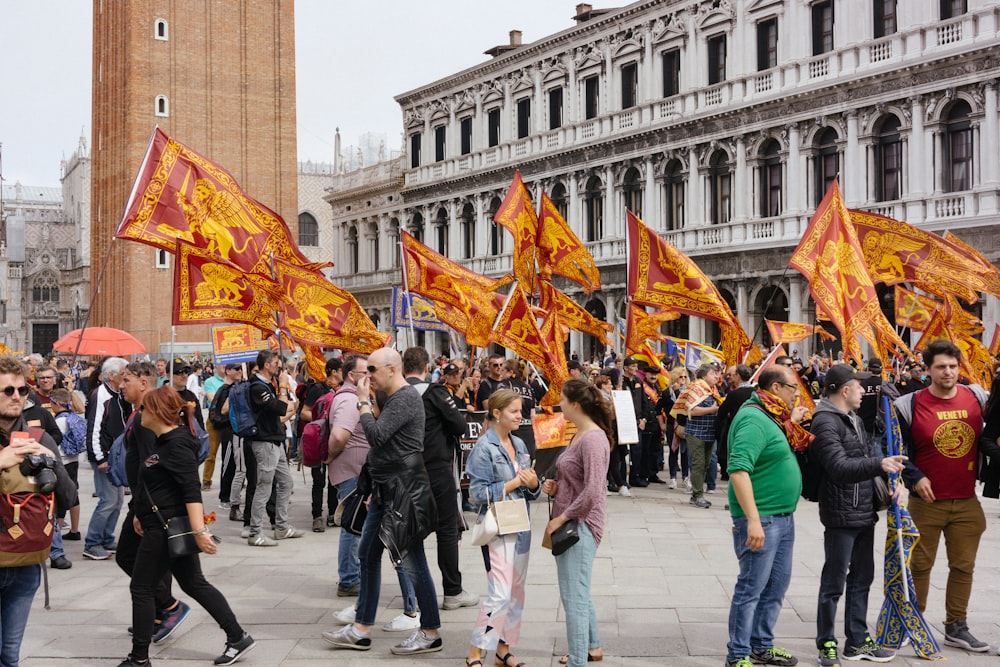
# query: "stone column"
538,118
454,231
854,168
650,202
611,215
796,182
574,207
919,167
741,183
988,135
482,225
794,299
570,112
742,312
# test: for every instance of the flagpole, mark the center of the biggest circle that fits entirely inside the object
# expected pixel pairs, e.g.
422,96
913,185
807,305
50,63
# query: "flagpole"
406,289
277,321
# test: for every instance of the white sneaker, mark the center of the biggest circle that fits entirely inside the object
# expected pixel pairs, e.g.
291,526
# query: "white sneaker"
623,491
403,623
463,599
287,533
346,615
687,483
245,532
673,483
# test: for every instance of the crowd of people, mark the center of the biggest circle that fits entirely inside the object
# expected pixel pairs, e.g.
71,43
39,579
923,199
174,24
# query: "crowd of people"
392,425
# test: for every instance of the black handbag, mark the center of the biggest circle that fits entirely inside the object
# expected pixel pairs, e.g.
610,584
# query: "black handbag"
180,537
881,495
565,536
354,512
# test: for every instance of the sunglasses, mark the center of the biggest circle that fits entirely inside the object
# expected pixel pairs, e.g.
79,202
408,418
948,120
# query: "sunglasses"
45,377
22,391
496,365
372,369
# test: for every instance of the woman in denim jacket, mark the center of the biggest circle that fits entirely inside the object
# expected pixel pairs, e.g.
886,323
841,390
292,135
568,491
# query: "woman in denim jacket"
499,465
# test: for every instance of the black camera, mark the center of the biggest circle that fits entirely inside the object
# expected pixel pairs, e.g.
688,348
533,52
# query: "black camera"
41,467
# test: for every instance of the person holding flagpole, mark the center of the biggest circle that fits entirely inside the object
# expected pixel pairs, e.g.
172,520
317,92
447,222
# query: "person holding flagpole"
850,463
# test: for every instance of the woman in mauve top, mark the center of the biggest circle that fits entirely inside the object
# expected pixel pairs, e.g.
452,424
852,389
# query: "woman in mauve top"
580,494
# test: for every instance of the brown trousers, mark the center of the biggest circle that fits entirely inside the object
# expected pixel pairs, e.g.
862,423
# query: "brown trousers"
962,523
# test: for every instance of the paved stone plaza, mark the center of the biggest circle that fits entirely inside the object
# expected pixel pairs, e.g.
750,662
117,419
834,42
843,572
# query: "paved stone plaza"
662,582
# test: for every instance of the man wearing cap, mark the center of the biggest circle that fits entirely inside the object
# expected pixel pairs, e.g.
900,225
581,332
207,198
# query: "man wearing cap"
182,370
459,388
850,463
233,467
869,411
941,427
630,382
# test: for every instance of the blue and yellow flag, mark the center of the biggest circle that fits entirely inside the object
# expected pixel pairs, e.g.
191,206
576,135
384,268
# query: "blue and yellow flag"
900,615
409,309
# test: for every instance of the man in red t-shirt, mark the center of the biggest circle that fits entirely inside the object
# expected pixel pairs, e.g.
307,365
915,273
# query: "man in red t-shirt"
941,427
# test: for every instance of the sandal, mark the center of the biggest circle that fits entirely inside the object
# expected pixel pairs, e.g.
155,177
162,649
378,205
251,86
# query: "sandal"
590,658
478,661
501,661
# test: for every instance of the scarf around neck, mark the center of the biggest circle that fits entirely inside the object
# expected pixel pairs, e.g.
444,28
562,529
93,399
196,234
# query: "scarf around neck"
798,438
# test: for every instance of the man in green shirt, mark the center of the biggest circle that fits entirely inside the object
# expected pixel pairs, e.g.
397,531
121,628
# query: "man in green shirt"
764,488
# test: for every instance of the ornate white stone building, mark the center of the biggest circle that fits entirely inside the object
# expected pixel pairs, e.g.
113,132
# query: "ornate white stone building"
45,257
720,123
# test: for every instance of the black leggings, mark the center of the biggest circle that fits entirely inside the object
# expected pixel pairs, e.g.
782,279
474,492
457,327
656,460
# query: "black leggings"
151,563
128,549
228,464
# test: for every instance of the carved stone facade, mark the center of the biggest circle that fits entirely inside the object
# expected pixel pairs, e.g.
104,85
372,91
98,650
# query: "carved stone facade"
45,259
721,124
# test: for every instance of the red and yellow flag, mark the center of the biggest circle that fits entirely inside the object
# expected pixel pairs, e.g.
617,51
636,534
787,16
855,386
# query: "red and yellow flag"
661,276
793,332
322,314
517,330
180,194
896,252
571,314
209,289
315,362
463,299
641,326
830,257
517,214
966,250
995,343
913,310
561,252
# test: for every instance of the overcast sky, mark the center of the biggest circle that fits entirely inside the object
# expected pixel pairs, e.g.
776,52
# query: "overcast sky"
352,57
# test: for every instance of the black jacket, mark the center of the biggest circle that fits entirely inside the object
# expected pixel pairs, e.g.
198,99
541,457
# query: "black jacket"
269,411
444,424
847,457
410,513
168,475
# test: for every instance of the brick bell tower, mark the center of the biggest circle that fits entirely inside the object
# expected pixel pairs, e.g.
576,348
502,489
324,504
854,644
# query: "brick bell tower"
218,76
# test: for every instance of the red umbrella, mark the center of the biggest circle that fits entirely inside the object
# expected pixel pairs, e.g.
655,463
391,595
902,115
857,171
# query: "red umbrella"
101,341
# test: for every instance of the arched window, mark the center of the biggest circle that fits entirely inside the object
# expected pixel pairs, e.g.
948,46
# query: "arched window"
160,30
594,199
888,161
560,199
496,231
417,227
957,149
161,106
45,288
308,230
674,186
353,253
468,231
441,231
722,188
827,163
632,189
770,180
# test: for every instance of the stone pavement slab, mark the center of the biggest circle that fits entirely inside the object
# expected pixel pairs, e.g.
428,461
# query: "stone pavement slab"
662,582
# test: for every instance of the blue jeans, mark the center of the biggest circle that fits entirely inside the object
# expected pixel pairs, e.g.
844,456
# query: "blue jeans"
850,560
574,568
348,567
57,541
104,520
761,584
415,564
712,473
17,590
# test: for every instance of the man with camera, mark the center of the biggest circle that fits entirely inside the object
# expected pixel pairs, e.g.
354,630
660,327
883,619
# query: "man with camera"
34,462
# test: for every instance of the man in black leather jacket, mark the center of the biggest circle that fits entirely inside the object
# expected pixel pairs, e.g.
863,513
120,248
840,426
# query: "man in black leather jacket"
846,509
